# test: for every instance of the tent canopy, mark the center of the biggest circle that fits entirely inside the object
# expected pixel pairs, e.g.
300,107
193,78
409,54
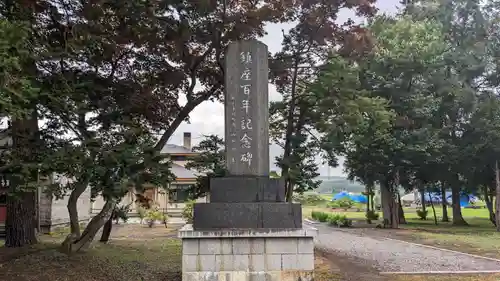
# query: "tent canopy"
465,199
358,198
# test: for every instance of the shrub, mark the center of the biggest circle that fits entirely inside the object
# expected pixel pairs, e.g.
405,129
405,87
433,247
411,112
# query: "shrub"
371,216
319,216
345,203
141,212
333,204
343,221
121,213
333,219
339,220
422,214
187,212
153,215
309,199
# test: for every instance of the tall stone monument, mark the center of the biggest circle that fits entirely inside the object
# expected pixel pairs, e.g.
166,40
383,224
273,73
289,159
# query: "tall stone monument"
247,231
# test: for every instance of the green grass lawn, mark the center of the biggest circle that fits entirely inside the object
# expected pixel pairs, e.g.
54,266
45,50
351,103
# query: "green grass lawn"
134,253
478,238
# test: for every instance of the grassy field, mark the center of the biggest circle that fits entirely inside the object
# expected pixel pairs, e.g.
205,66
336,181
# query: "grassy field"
477,238
410,213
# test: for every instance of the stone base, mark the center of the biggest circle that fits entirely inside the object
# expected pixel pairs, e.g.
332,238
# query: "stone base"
246,189
261,215
234,255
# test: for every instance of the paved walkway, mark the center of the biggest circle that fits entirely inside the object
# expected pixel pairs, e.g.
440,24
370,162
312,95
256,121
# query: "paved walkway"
390,255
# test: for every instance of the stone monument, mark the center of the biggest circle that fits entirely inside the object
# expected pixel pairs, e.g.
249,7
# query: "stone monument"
247,231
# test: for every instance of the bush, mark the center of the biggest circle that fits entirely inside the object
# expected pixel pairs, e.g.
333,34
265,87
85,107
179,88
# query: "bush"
319,216
141,212
371,216
309,199
187,212
422,214
339,220
153,215
333,204
121,213
345,203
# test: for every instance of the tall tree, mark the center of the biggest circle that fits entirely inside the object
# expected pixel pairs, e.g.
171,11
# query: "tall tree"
19,104
210,162
305,45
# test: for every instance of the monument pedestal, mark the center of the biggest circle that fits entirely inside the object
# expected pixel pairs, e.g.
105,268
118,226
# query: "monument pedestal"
247,232
247,254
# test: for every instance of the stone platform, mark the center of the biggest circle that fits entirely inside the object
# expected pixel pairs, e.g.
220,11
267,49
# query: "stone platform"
247,254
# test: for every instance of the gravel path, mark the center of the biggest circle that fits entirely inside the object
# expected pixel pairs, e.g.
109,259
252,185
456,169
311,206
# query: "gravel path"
390,255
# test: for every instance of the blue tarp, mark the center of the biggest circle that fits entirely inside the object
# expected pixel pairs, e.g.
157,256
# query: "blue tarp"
465,199
358,198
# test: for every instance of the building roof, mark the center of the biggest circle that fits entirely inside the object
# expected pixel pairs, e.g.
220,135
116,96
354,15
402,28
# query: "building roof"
175,149
182,173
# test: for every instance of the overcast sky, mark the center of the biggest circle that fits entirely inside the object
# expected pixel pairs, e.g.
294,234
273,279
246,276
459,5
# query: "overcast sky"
208,117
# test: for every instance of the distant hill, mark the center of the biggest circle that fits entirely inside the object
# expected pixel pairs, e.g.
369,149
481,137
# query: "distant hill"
334,184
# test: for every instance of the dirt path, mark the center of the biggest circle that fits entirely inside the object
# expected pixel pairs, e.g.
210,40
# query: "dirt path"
390,255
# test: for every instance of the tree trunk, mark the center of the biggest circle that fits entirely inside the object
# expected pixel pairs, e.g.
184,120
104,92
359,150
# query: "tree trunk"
20,223
73,243
401,213
488,199
433,209
444,203
287,150
458,219
422,198
74,220
21,220
106,231
389,207
497,199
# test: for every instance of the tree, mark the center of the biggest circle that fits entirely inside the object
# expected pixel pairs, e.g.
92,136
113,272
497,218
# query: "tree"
210,162
292,118
18,95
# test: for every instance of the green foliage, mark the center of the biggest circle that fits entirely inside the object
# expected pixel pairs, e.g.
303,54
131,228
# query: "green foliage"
319,216
309,199
153,215
121,213
422,214
209,162
141,212
339,220
187,212
372,215
345,203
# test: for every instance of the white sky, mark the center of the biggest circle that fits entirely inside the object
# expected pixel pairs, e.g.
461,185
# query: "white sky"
208,117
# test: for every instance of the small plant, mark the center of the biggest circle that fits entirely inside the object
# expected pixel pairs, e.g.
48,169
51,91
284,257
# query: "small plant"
339,220
310,199
345,203
343,221
333,204
187,212
141,212
371,215
422,214
121,213
153,215
319,216
333,219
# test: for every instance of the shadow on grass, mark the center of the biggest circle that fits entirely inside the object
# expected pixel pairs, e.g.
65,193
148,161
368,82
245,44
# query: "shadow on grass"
134,253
